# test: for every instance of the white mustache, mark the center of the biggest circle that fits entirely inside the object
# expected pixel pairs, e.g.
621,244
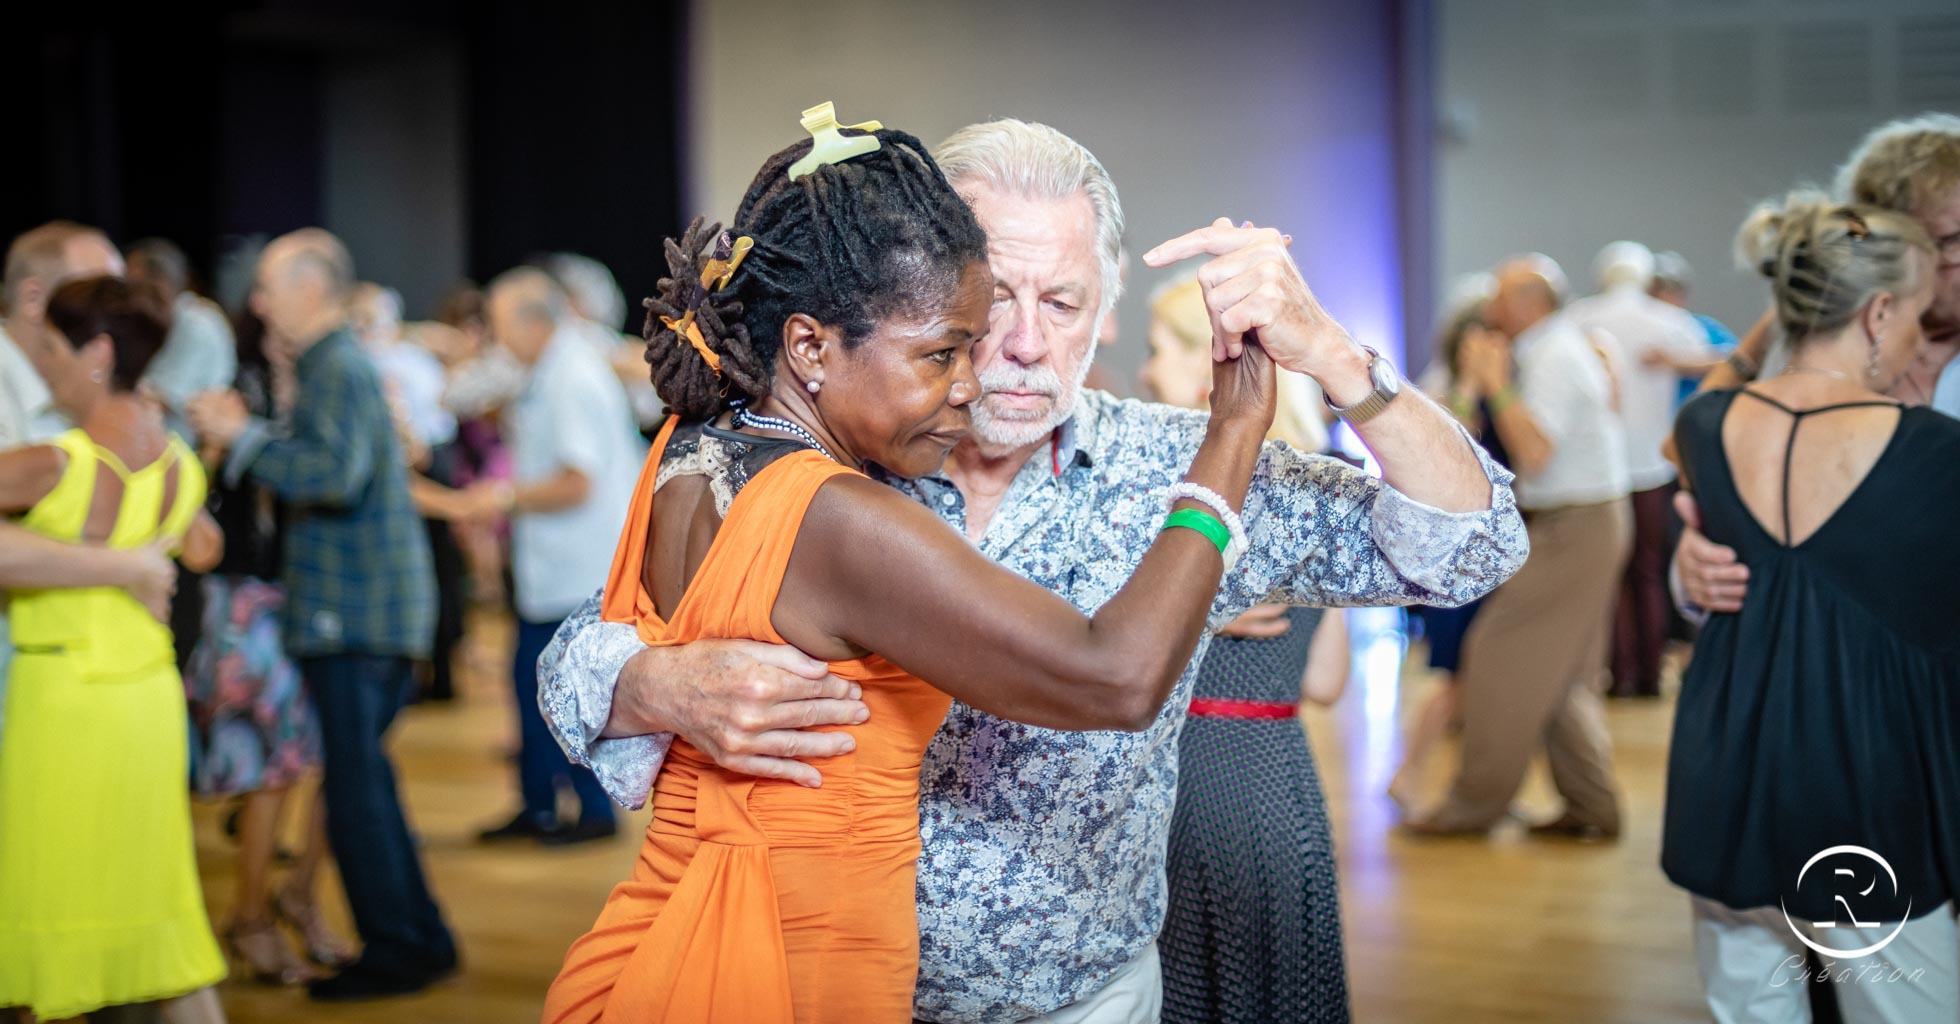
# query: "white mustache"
1038,380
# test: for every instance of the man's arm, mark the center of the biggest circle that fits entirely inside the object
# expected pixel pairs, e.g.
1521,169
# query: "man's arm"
1321,532
1704,577
328,456
1253,286
614,704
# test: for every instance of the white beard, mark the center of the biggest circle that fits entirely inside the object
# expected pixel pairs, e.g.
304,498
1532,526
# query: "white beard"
1011,429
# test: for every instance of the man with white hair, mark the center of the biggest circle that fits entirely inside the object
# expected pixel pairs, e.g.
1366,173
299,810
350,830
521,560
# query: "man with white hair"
574,456
1042,882
1652,345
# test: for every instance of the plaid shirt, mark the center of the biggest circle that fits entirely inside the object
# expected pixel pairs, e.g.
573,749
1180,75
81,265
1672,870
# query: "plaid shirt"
357,570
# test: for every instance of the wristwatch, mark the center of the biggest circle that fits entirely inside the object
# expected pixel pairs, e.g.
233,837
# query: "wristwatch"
1387,383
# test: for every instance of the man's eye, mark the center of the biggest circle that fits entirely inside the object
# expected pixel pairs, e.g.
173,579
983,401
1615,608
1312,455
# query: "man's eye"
1061,306
942,357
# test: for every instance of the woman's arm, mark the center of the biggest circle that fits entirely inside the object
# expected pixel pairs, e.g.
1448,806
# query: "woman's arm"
1751,351
204,544
29,561
877,572
1327,660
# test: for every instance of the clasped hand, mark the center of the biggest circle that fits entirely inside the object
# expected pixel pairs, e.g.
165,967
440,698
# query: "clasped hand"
1252,286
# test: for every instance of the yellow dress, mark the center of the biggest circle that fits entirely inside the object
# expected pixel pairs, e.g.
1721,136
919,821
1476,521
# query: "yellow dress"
99,897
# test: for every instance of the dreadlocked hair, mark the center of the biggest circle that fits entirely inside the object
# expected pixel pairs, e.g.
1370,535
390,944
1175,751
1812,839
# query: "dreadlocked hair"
849,244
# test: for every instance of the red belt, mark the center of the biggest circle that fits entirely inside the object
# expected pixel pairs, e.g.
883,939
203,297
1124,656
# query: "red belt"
1213,707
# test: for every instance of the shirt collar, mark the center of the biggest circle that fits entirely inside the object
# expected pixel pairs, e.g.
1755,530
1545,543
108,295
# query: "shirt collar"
1074,442
342,335
554,349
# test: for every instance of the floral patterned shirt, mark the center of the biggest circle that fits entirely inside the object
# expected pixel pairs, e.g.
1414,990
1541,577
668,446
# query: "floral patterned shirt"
1043,865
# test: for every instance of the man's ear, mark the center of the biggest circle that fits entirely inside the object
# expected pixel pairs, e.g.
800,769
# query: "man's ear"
31,298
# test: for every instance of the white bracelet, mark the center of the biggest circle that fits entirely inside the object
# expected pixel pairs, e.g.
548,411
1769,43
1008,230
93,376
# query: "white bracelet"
1206,496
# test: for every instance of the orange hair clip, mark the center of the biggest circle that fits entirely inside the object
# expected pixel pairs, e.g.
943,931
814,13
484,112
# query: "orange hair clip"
686,328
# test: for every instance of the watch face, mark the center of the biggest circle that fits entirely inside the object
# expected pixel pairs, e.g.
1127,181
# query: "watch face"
1383,374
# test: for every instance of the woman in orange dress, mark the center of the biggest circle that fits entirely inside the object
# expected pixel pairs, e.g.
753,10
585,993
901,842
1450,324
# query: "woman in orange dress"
835,334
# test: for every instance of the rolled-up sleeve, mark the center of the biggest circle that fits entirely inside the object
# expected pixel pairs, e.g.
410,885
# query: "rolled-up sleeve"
1321,532
576,675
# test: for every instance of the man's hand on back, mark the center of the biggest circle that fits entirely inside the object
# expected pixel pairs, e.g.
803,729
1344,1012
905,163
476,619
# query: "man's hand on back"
1711,576
744,703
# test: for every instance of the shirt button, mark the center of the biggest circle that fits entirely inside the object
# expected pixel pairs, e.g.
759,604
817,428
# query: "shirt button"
948,499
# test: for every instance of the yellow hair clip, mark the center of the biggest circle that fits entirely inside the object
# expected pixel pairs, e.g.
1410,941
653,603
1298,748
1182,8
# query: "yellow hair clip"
831,147
686,328
721,269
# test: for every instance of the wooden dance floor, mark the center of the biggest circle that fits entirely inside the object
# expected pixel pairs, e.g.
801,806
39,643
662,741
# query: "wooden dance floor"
1511,930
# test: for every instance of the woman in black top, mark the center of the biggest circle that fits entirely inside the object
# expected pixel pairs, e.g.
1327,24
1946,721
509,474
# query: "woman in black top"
1813,793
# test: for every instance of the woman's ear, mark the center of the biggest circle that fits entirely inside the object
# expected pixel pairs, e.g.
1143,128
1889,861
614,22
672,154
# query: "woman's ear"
99,358
807,342
1878,314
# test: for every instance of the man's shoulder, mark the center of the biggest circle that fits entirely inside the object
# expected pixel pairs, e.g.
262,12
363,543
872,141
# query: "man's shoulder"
580,374
1122,425
198,311
338,356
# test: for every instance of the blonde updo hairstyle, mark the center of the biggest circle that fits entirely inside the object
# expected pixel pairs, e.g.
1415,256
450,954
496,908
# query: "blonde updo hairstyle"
1827,260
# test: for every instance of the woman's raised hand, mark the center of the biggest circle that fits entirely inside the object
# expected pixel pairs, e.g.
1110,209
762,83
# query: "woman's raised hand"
1245,387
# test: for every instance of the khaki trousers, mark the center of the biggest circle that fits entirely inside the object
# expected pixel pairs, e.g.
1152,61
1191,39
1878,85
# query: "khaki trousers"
1532,666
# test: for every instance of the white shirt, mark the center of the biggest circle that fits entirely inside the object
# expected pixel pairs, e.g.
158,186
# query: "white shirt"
648,409
1633,324
27,412
27,416
571,413
1564,386
1946,393
417,378
198,355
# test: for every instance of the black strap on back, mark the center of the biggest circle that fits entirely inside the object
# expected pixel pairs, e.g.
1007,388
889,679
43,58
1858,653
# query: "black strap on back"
1790,446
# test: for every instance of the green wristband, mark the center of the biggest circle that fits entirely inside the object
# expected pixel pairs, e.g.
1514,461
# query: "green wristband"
1203,522
1506,397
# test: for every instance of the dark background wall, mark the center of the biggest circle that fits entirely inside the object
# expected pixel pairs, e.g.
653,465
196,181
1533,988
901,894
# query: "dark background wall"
439,139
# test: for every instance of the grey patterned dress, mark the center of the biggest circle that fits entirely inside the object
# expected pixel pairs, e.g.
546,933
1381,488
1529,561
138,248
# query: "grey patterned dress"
1254,927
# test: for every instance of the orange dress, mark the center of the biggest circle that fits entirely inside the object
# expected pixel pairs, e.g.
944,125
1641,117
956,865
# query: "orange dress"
754,900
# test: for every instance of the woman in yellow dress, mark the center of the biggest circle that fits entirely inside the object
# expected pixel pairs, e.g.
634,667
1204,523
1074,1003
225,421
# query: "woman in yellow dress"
99,898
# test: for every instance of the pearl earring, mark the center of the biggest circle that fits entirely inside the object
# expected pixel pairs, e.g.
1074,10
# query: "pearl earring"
814,386
95,375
